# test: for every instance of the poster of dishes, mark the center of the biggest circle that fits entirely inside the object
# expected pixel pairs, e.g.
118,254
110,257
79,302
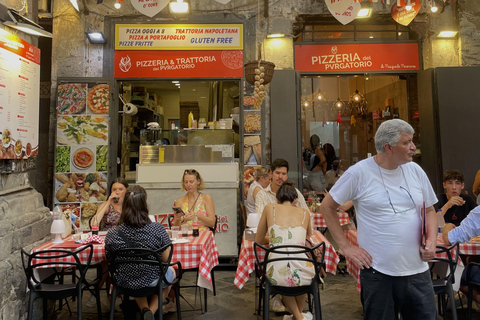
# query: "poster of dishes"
248,178
19,97
81,156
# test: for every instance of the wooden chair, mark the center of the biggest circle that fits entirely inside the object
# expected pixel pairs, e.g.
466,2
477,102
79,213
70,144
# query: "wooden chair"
53,287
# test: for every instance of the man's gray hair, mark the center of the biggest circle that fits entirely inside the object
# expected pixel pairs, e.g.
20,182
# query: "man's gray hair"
390,132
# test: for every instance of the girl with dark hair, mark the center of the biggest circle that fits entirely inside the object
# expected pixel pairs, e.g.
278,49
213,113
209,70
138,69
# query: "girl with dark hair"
286,223
330,156
108,213
316,178
141,232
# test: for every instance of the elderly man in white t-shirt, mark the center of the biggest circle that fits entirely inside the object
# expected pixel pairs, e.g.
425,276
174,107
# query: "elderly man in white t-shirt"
389,192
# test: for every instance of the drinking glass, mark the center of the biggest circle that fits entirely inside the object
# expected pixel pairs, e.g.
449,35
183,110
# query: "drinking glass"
185,230
175,231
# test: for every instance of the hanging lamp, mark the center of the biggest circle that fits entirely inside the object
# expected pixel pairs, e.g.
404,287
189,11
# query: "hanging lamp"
338,103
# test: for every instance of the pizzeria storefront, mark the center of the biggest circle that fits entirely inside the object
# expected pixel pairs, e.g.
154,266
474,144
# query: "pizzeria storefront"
169,81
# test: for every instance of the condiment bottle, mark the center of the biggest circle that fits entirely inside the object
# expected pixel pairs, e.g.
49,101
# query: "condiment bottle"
190,119
195,226
94,225
173,125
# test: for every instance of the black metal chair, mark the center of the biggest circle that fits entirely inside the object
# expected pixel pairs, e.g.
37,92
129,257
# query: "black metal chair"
444,269
53,288
138,257
212,274
266,287
471,284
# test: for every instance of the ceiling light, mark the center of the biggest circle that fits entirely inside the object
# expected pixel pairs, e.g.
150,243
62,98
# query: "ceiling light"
320,96
447,34
179,6
75,4
276,35
24,24
96,37
408,6
338,104
434,8
117,5
364,13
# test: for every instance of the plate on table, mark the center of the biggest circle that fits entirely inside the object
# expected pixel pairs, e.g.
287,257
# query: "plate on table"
181,240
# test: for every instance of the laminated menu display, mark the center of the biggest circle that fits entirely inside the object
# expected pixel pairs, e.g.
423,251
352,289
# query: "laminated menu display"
19,97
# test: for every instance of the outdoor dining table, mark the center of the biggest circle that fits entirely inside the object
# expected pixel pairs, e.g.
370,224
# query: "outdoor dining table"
246,260
320,220
199,252
466,248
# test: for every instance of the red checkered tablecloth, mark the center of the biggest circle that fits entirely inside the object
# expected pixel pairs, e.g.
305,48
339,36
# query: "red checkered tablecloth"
201,252
467,248
246,261
320,221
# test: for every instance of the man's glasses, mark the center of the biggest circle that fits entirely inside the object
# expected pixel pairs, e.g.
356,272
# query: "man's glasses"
401,211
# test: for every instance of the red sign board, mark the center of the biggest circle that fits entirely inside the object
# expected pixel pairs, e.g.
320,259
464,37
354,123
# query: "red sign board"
179,64
357,57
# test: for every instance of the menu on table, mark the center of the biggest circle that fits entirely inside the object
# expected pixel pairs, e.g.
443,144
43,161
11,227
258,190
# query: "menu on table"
19,97
81,154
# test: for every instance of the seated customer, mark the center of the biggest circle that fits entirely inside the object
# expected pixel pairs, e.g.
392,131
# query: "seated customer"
454,204
334,174
470,227
263,177
136,226
288,224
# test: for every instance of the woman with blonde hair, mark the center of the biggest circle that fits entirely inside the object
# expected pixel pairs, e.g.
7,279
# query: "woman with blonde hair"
263,177
194,203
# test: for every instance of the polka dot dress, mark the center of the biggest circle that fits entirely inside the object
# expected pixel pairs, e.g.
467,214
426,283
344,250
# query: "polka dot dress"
152,236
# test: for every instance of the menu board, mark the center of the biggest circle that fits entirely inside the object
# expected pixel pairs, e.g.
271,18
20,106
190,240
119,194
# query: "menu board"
19,97
81,155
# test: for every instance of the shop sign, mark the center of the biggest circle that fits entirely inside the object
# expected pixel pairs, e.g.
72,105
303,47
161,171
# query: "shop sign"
403,16
179,64
179,37
357,57
19,97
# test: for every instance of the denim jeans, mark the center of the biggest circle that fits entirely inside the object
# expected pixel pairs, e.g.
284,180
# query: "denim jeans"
386,297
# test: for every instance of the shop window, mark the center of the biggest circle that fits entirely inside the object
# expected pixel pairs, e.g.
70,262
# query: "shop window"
347,133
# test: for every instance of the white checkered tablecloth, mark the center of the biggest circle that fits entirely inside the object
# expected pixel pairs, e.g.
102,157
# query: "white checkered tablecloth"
246,261
320,221
201,252
467,248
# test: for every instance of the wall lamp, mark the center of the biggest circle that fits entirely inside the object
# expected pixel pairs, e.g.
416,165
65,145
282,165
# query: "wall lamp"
96,37
179,6
365,11
447,34
275,35
13,19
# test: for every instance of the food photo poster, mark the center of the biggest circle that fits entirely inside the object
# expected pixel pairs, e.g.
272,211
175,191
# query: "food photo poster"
81,154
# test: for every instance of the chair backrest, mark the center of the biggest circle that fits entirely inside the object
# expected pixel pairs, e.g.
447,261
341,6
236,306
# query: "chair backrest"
214,229
170,220
451,260
243,212
294,252
54,258
138,257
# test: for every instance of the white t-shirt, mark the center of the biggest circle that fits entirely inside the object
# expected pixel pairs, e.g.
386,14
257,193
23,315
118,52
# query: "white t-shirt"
392,239
250,203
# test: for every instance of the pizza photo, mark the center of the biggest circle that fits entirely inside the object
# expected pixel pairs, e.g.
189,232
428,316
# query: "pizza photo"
98,99
83,158
232,59
71,98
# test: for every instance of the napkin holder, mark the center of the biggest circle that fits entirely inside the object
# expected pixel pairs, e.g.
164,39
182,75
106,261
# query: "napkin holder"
250,234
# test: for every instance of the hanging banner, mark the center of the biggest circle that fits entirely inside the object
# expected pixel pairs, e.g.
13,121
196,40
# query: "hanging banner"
19,97
403,16
357,57
179,64
149,7
179,37
349,15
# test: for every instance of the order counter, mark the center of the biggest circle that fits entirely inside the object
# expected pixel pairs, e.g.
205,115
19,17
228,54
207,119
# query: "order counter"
162,181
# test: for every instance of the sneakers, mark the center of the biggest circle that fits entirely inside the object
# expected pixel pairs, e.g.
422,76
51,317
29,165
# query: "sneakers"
307,315
147,314
91,302
288,317
170,306
276,304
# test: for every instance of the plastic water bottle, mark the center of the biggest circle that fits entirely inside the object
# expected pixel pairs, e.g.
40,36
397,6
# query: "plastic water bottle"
440,220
